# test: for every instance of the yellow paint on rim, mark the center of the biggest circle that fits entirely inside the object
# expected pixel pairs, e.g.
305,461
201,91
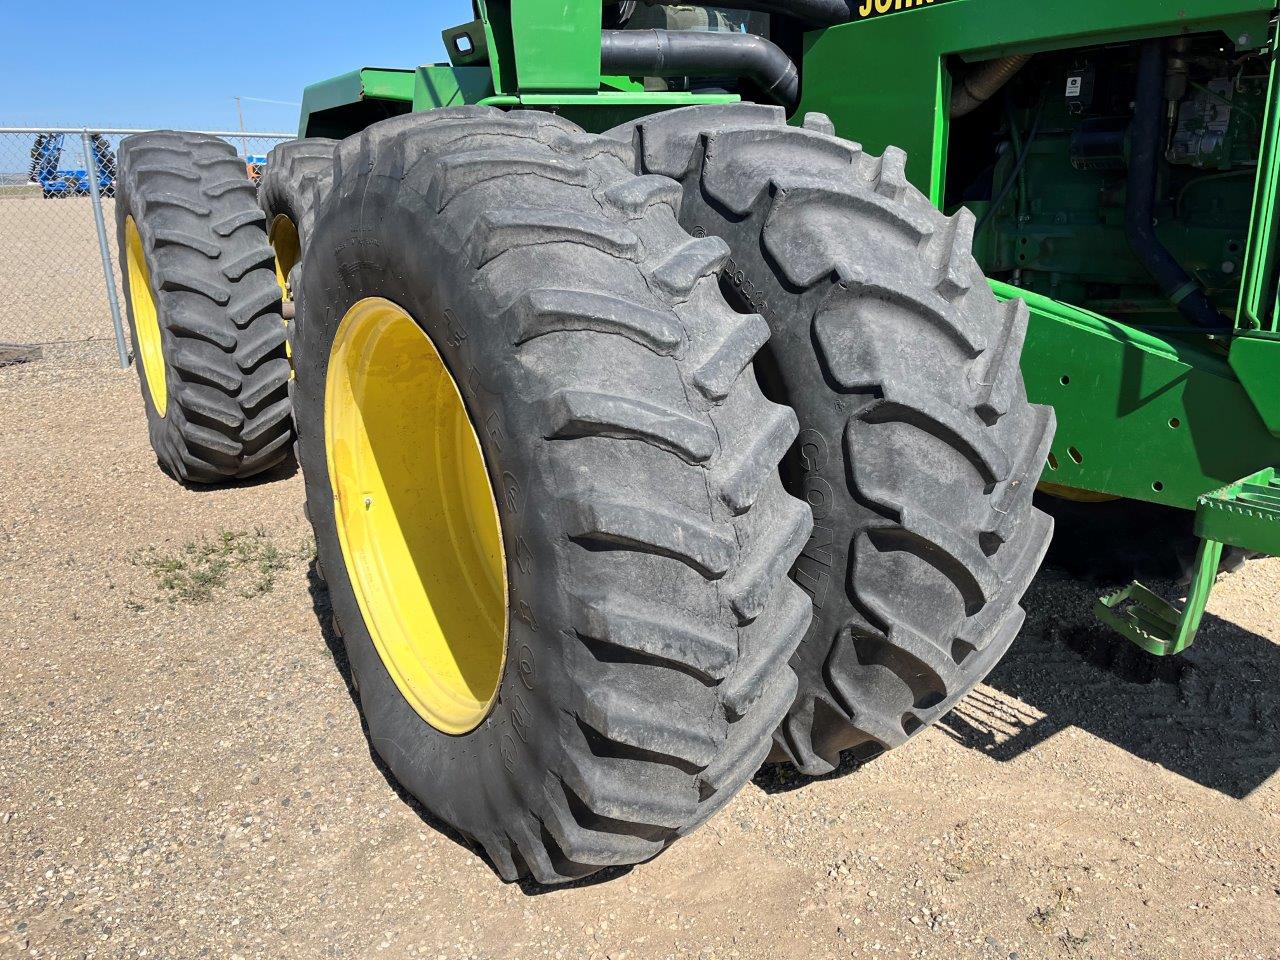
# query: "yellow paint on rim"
416,516
146,321
283,236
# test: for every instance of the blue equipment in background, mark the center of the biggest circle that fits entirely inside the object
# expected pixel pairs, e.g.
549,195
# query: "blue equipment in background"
46,157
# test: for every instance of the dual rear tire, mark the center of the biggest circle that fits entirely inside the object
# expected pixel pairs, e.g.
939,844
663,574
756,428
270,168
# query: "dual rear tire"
205,273
556,479
296,180
918,453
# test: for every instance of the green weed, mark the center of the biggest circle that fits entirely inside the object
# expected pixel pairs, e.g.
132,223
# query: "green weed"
246,562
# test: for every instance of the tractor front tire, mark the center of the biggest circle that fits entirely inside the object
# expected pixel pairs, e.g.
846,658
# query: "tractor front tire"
645,613
918,451
203,307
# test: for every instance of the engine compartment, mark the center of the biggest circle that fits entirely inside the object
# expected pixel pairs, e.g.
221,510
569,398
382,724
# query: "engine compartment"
1045,165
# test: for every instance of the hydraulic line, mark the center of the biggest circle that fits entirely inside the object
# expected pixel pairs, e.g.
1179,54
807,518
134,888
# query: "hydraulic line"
1015,175
1178,286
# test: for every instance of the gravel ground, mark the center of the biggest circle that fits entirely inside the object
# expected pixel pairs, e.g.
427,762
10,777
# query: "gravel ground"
183,772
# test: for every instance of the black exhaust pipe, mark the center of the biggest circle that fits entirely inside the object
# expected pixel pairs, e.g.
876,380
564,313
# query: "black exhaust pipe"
1181,289
672,53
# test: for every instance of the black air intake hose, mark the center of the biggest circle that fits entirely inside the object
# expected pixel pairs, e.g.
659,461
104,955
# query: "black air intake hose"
670,53
1140,209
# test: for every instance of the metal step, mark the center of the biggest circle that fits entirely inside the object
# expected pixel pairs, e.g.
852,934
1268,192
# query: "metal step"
1244,514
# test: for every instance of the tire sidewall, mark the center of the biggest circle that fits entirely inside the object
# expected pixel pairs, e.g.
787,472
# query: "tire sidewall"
816,469
159,427
859,688
474,780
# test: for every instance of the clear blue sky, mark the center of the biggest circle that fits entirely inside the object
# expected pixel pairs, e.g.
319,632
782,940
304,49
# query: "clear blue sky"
179,64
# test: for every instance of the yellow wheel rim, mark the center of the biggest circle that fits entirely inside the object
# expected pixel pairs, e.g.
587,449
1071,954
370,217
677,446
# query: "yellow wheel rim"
283,237
146,321
416,516
288,250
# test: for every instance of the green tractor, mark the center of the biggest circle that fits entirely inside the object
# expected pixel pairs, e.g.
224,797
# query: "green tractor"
675,387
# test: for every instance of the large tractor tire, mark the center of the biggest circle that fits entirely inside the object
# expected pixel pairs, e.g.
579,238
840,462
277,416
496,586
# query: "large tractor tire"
296,181
204,308
543,482
918,451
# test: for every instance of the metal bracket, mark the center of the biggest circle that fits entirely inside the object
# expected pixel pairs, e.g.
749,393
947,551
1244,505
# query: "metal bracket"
1245,514
466,45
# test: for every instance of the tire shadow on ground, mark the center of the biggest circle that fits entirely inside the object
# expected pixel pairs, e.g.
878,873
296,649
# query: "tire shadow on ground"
1211,715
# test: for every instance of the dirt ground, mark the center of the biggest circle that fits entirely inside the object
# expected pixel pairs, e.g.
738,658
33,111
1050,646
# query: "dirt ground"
183,772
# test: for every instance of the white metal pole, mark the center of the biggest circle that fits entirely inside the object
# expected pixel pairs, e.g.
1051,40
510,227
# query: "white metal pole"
91,167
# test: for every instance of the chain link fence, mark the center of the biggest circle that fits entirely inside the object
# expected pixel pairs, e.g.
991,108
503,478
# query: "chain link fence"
59,272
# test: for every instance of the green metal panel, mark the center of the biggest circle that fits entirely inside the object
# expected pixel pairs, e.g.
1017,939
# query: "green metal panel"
1138,416
1255,359
542,45
883,80
440,85
381,83
367,83
557,45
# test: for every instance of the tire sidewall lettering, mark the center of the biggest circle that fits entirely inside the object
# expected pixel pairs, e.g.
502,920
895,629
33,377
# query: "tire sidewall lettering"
815,578
749,292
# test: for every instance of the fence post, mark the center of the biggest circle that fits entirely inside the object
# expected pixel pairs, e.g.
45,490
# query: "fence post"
91,169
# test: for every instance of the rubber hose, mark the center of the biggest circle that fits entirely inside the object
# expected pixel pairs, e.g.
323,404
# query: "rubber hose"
678,53
1174,282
